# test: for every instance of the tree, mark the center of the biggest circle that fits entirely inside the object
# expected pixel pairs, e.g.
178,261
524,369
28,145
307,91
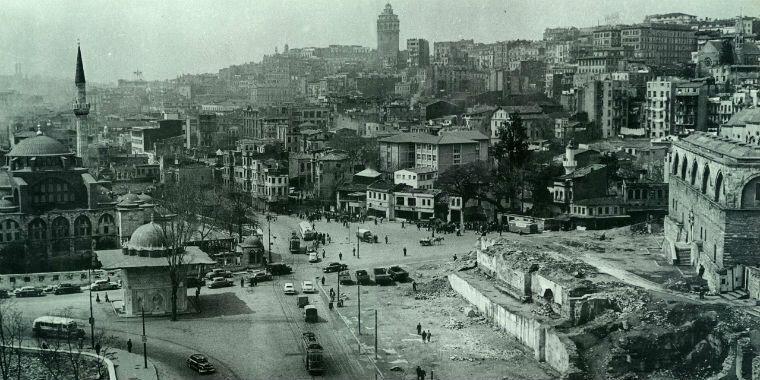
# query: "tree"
181,222
512,157
12,332
360,150
464,181
13,258
234,208
726,56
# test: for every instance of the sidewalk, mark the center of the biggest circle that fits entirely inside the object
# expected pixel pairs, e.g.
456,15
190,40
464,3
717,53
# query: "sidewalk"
130,366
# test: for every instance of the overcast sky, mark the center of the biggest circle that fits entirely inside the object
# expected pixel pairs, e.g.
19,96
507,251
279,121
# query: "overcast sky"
164,38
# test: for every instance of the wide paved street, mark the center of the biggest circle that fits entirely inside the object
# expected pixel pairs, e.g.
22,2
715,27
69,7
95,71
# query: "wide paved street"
254,332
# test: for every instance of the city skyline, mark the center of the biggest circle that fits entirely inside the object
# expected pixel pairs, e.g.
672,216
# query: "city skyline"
166,40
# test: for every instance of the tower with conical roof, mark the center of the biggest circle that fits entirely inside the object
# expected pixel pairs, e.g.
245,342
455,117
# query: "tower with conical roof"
80,107
387,37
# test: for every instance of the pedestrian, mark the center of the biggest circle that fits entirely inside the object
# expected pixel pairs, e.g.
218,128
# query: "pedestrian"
418,226
107,300
418,370
419,329
323,280
242,282
97,348
353,252
422,374
340,256
97,298
429,335
329,239
414,286
402,224
255,281
386,239
129,345
455,257
375,221
81,343
424,336
323,253
44,345
404,251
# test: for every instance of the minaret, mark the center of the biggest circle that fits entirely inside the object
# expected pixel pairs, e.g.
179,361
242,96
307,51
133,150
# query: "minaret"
569,161
81,107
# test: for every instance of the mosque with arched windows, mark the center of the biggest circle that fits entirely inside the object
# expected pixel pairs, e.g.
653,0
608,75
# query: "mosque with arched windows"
52,208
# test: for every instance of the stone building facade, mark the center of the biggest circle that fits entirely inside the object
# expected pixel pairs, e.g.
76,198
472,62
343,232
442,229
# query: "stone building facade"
714,208
51,209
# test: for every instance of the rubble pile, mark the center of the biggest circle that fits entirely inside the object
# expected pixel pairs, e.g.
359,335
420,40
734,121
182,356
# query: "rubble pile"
437,287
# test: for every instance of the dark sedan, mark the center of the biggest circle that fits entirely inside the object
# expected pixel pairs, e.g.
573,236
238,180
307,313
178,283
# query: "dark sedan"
334,267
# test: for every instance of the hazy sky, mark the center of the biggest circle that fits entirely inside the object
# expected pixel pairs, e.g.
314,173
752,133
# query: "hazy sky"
164,38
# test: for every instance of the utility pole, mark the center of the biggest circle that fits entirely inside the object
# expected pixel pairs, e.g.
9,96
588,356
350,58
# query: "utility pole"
375,334
269,232
357,240
338,298
92,317
359,308
144,338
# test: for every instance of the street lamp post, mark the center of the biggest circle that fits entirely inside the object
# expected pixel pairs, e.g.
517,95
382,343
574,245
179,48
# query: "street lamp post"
269,233
92,317
144,338
357,240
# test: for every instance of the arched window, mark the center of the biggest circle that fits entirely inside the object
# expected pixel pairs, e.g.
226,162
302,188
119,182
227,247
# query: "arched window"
106,225
675,165
60,228
9,231
82,226
751,194
684,165
693,173
718,186
37,229
705,178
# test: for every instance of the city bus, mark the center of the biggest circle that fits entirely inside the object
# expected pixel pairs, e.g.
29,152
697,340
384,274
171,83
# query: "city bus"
307,231
56,327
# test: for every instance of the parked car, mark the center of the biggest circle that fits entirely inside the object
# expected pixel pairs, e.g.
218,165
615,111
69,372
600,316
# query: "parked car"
195,282
200,364
4,293
49,289
218,273
308,287
261,276
28,291
334,267
219,282
104,285
67,289
362,277
344,277
398,273
313,257
289,288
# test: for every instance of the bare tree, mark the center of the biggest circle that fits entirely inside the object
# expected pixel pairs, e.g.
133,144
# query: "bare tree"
181,221
61,353
11,338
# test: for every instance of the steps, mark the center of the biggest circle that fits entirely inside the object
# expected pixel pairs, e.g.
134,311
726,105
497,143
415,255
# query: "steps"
683,256
737,294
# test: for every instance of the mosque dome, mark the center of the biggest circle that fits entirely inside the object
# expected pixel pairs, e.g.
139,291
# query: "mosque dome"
39,145
147,237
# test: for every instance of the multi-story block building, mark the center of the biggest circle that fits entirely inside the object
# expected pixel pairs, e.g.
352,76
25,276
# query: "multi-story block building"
671,18
419,52
606,101
659,44
714,208
453,148
660,103
417,178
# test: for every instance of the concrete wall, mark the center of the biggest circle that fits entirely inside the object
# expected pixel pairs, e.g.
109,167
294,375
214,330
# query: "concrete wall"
518,282
539,284
41,280
547,344
753,283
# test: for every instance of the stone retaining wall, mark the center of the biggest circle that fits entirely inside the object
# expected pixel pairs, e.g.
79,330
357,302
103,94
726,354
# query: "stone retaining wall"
547,344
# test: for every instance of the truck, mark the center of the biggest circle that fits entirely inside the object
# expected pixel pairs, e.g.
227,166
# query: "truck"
344,277
398,273
279,269
312,354
307,231
365,235
310,314
362,277
523,227
381,276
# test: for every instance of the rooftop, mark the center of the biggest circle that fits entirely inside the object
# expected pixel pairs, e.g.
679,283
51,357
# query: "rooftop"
584,171
39,145
720,145
116,259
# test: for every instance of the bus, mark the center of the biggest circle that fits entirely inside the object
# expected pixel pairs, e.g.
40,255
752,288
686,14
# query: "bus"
56,327
313,354
307,231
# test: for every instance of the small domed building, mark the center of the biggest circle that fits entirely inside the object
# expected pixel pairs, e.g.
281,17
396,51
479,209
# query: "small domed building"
251,250
52,208
145,271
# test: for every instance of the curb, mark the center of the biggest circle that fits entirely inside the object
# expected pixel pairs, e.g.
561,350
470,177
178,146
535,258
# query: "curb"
109,363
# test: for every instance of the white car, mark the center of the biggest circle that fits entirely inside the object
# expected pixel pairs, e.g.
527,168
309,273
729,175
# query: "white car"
289,288
104,285
313,257
308,287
